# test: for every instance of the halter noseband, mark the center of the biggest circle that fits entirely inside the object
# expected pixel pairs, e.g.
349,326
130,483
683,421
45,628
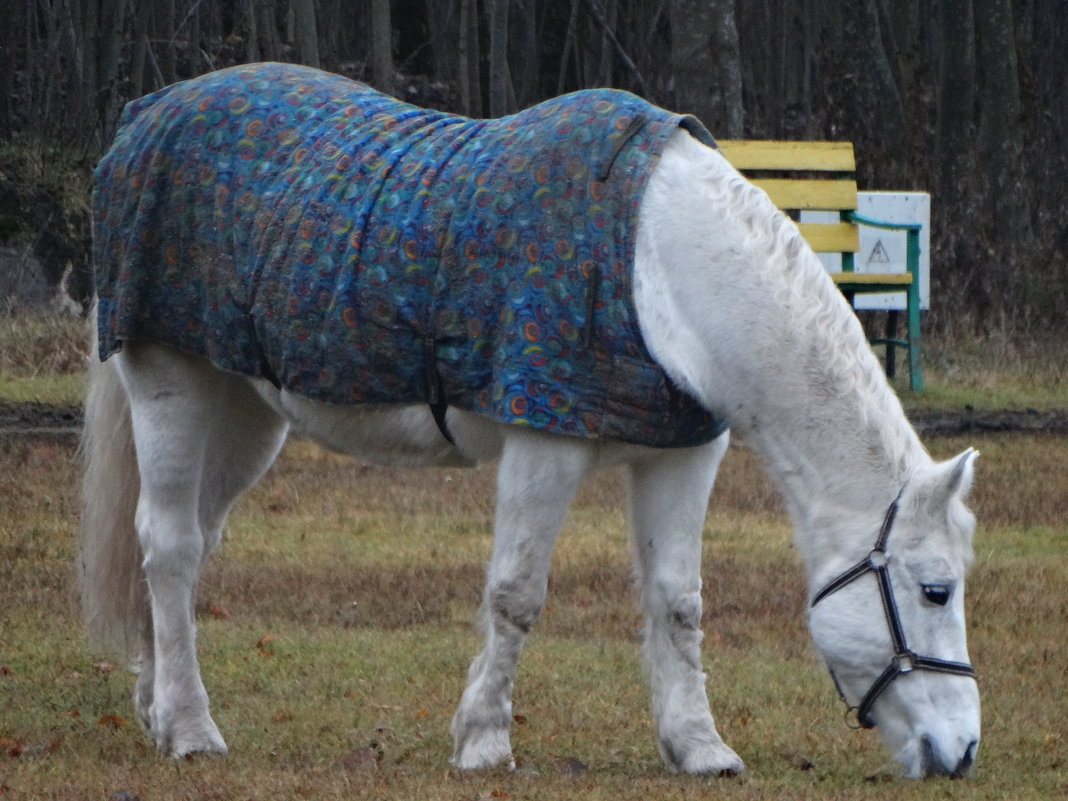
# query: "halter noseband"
905,660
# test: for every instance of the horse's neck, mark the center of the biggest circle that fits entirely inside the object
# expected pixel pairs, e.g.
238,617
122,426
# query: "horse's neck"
741,313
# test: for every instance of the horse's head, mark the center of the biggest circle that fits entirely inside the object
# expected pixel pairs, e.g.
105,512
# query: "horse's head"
891,625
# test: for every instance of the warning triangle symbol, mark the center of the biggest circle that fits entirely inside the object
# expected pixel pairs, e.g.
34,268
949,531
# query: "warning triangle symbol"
878,254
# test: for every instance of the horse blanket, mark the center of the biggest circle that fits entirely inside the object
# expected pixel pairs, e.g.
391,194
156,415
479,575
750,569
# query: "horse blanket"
297,226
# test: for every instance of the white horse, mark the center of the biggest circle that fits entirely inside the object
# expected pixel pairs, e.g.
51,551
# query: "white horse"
736,308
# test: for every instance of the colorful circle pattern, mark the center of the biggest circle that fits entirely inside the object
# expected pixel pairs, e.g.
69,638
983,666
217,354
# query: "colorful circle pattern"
295,225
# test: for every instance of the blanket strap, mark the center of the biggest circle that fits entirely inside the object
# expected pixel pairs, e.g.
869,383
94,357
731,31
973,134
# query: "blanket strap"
435,390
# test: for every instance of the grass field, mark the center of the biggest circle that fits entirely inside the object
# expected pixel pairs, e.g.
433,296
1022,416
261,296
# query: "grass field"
335,634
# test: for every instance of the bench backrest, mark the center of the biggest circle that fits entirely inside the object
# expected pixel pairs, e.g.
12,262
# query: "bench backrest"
805,176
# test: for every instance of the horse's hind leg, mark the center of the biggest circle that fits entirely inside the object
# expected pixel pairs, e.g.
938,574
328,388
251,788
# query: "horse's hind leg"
669,498
536,481
202,437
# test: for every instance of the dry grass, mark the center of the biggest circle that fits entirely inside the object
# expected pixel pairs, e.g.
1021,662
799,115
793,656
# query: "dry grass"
42,344
335,634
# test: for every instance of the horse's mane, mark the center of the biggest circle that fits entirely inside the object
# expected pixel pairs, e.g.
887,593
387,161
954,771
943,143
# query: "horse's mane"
837,359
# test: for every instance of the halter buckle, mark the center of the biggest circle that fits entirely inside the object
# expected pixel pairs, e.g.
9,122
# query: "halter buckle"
905,662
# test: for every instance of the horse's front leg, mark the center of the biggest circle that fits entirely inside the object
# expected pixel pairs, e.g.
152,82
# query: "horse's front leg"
669,498
536,481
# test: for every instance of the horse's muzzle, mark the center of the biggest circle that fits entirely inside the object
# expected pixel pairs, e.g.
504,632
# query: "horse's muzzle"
934,764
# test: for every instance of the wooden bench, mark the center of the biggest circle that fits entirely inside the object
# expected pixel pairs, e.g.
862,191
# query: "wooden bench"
820,176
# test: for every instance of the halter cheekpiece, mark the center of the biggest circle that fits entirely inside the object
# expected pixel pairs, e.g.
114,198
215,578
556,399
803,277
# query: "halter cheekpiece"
905,660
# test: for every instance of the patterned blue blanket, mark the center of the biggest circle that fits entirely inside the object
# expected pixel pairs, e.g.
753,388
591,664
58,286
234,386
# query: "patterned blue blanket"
294,225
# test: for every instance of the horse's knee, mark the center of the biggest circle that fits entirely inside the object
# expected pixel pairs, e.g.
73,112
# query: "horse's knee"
517,606
674,602
685,610
676,623
169,550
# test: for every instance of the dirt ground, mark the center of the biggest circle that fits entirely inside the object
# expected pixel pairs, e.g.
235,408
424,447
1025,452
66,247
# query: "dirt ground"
30,418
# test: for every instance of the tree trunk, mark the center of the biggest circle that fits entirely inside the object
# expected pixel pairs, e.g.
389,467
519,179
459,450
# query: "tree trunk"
499,78
252,42
441,15
1001,150
470,80
727,51
140,49
306,34
887,106
107,75
163,40
956,95
692,67
381,46
1001,139
267,30
569,42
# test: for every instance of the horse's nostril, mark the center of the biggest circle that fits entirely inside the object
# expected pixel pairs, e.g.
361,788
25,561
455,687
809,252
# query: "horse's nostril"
932,765
966,760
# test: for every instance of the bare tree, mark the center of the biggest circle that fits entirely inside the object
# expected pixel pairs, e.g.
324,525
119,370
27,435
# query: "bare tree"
706,63
305,32
727,51
500,81
381,46
468,51
956,93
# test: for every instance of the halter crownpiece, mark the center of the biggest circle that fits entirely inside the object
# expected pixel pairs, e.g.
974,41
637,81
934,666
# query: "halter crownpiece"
905,660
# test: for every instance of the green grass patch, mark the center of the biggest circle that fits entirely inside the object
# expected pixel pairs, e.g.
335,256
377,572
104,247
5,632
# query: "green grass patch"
54,388
995,371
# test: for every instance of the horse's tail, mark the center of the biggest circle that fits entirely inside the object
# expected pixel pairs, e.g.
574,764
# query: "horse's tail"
113,587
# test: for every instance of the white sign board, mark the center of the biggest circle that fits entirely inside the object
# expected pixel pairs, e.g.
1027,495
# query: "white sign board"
885,251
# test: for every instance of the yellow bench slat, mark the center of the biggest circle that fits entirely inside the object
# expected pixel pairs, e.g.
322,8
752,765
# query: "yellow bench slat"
800,193
898,279
744,154
831,237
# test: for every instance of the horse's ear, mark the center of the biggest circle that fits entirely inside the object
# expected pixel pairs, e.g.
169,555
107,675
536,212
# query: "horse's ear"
954,478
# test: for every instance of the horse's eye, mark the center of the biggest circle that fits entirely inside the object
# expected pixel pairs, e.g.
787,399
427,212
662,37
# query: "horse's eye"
937,593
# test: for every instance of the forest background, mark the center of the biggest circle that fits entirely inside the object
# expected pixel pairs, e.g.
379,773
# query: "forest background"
965,99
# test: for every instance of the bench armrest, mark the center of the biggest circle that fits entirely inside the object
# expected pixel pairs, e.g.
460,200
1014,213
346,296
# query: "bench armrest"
860,219
912,251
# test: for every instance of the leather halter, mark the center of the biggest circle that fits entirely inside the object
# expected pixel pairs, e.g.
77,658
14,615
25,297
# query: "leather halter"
905,660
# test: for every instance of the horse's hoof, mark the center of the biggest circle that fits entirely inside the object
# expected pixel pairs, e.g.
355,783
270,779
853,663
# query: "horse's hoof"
206,739
722,764
707,759
489,748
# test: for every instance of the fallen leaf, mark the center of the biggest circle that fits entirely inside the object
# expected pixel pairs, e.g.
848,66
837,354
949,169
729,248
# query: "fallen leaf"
219,612
520,719
11,747
114,721
422,713
5,670
266,638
